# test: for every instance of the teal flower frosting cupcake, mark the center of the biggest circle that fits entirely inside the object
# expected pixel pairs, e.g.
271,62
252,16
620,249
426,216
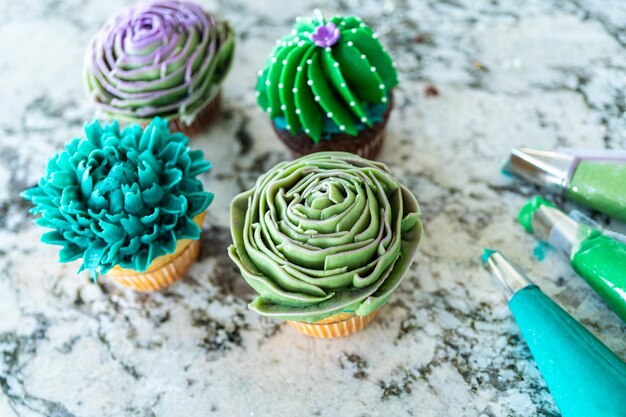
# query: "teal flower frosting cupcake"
328,86
122,198
324,239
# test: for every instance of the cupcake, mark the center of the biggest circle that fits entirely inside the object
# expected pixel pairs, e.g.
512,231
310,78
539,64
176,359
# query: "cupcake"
160,59
126,202
324,240
327,86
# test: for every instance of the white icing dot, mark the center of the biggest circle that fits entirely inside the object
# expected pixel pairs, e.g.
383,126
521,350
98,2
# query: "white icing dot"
296,39
294,90
329,114
343,85
280,85
343,23
373,69
310,82
267,82
364,119
307,131
273,59
353,30
375,35
283,107
384,99
284,62
288,127
342,127
317,98
293,32
299,68
301,43
382,86
336,64
350,43
327,49
298,19
362,25
298,111
363,56
289,43
260,73
269,110
352,104
284,44
309,61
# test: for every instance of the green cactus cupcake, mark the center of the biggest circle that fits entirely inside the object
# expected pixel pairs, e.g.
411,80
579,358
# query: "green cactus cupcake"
127,202
328,86
325,240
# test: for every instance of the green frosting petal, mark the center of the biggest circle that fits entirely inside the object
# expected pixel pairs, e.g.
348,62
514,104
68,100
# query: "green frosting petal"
302,81
326,233
121,197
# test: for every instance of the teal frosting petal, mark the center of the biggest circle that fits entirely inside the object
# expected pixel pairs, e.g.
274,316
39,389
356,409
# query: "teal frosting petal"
326,233
121,197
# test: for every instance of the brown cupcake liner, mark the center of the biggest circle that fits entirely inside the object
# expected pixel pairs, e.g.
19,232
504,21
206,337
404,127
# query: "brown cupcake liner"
339,325
162,277
200,123
366,144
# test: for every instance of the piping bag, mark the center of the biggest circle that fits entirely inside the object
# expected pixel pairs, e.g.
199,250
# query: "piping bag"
594,179
599,259
585,378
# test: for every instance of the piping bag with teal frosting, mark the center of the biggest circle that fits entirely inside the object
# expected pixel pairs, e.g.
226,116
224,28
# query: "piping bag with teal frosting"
595,179
598,258
583,375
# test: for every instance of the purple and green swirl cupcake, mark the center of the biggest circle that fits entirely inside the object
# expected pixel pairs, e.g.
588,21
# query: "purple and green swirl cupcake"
163,59
327,86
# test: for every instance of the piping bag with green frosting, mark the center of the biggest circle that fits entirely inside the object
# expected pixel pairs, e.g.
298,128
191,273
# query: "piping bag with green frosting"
584,376
595,179
598,258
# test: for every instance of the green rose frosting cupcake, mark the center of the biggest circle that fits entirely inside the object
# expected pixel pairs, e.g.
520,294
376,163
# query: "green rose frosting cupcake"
121,198
328,81
326,234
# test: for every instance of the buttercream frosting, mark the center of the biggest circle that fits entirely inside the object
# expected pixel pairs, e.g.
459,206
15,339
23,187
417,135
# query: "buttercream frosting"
326,69
161,58
327,233
121,197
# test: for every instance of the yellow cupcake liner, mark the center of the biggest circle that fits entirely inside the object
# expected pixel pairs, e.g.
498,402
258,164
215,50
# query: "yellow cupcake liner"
164,270
338,325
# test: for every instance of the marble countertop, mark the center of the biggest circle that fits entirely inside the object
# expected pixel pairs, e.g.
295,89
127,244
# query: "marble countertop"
477,77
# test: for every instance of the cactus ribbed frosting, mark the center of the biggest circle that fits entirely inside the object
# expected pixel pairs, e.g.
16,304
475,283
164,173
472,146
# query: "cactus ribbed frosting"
121,197
335,69
327,233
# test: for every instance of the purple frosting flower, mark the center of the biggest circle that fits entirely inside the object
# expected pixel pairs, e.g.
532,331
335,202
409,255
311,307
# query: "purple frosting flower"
325,35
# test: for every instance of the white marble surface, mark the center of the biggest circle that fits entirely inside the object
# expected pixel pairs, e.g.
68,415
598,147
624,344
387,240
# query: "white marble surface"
536,73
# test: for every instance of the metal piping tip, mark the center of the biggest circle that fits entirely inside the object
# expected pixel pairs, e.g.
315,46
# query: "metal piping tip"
544,168
557,228
508,277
